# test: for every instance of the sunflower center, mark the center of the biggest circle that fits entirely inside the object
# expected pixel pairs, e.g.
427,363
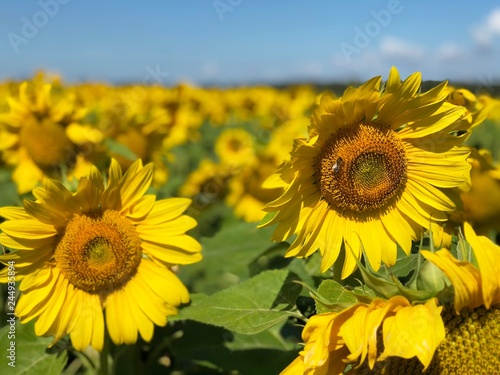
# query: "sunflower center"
47,143
361,168
99,252
471,346
234,145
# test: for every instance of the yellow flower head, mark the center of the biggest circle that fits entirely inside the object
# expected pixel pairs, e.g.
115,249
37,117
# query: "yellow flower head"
474,285
209,179
334,339
481,203
235,147
372,170
246,193
477,110
472,341
396,337
41,133
104,253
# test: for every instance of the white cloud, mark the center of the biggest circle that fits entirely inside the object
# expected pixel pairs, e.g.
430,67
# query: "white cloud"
395,48
210,69
450,52
488,30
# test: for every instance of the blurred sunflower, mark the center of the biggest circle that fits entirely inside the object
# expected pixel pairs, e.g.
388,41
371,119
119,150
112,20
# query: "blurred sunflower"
477,110
235,147
208,183
477,204
372,170
43,135
133,117
460,337
246,193
104,253
481,203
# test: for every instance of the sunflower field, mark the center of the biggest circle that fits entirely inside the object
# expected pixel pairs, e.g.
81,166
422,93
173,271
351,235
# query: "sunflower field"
249,230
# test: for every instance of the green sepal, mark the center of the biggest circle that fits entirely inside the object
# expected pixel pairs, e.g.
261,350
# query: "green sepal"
389,286
332,297
267,218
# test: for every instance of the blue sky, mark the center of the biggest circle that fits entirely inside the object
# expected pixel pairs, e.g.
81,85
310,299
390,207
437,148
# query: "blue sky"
229,42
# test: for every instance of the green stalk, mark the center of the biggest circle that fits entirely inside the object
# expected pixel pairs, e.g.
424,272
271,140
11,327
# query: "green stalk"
103,356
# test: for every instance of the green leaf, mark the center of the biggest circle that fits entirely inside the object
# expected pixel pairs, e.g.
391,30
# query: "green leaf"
404,265
226,257
200,348
268,339
332,293
9,195
31,355
250,307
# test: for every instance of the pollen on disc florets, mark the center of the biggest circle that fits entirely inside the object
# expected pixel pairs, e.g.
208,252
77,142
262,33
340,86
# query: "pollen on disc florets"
361,168
99,252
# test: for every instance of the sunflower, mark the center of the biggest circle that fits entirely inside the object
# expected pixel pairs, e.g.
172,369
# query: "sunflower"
450,333
43,135
235,147
206,184
102,256
134,123
334,339
246,193
481,203
374,170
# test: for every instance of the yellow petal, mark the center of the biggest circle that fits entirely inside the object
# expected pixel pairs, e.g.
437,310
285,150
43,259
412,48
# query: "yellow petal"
56,197
186,251
44,215
142,208
333,227
110,198
90,188
294,368
316,335
54,304
163,282
166,210
121,325
27,243
174,227
487,255
34,302
465,278
67,314
28,228
14,213
352,247
26,176
134,185
143,323
89,328
151,304
79,134
393,82
420,338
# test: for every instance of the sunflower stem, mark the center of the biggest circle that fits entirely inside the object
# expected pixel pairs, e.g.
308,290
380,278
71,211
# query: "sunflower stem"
103,358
